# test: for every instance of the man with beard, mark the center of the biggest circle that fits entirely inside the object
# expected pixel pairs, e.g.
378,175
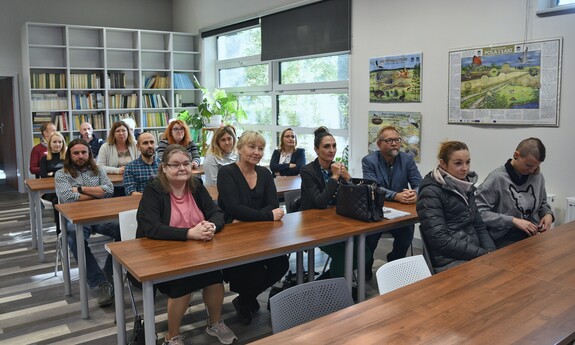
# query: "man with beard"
87,133
139,171
80,179
397,173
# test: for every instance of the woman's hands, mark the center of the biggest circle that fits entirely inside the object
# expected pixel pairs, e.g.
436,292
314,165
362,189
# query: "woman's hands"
278,213
339,170
203,231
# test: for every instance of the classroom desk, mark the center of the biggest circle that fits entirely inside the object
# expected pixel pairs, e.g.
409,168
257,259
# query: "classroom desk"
521,294
283,184
37,187
154,261
85,213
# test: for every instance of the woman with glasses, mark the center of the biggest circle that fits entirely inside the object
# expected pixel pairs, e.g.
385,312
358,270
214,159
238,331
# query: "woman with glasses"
176,206
320,181
247,192
178,132
118,150
450,224
222,152
287,160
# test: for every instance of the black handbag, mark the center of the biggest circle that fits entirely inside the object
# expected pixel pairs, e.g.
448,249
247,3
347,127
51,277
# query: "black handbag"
360,199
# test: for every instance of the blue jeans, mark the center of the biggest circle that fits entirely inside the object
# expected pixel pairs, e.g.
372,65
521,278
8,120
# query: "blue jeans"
95,275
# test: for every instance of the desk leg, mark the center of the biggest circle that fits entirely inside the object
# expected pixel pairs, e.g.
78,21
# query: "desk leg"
361,268
39,228
82,271
149,316
299,267
349,261
119,299
65,256
32,201
311,265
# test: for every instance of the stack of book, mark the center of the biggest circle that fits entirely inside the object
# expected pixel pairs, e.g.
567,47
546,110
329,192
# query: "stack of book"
48,101
85,81
155,100
48,80
88,101
116,80
182,81
119,101
156,82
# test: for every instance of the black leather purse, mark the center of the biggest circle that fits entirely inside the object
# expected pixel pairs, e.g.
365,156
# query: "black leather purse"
360,199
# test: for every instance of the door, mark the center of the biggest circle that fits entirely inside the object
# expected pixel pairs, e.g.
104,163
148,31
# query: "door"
8,132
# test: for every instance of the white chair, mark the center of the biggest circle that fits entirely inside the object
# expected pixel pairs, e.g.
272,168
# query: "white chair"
401,272
128,224
306,302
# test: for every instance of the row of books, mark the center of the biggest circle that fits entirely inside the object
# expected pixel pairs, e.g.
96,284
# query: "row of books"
119,117
88,101
61,121
154,100
182,81
97,120
156,82
48,101
155,119
39,118
117,80
85,81
48,80
120,101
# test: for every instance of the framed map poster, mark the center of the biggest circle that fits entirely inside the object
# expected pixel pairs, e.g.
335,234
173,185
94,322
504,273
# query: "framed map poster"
511,84
408,124
395,79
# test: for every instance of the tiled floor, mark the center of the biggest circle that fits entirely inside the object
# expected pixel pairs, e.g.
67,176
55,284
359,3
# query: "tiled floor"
33,309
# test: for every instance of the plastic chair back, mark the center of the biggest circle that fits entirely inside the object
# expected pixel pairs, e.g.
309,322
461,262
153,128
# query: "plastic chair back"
306,302
128,224
290,198
401,272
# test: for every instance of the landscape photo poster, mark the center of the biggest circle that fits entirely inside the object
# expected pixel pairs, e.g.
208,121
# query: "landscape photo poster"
510,84
408,124
395,79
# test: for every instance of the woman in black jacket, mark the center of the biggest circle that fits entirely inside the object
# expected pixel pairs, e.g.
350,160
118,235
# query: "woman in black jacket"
49,164
287,160
450,224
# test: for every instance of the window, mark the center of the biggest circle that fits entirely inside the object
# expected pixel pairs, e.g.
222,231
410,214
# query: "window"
299,93
555,7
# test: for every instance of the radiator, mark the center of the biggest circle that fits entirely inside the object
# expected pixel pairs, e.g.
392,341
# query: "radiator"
570,210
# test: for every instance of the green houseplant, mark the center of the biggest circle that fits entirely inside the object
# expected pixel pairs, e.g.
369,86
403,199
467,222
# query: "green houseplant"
219,102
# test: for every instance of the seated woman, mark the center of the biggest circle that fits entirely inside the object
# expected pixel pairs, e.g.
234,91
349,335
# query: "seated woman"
320,180
287,160
176,206
449,222
247,193
178,132
49,164
118,150
222,152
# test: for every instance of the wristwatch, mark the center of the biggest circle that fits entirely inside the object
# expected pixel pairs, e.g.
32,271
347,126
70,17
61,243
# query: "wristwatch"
80,190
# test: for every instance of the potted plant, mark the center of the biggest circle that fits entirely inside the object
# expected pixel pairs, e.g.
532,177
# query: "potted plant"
218,106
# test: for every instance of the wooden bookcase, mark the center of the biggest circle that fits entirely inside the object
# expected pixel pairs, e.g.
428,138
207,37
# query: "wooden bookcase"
83,73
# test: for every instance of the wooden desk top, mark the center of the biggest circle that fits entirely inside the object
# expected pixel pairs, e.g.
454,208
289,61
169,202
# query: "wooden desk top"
48,183
149,259
98,209
283,184
499,298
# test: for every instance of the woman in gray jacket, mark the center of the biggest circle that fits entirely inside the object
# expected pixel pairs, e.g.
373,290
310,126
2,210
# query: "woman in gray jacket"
450,224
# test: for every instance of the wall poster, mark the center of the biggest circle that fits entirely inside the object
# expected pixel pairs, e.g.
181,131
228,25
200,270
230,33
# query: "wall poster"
394,79
408,124
511,84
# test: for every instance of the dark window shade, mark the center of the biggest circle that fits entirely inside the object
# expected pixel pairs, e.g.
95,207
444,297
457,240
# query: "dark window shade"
229,28
319,28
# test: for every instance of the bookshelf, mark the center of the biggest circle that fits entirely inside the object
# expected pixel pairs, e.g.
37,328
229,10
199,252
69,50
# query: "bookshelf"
77,73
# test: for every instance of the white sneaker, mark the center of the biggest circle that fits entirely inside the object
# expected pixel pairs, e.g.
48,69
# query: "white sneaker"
220,330
177,340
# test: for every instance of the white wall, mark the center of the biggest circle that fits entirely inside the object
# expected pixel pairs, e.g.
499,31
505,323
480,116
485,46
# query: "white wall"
392,27
137,14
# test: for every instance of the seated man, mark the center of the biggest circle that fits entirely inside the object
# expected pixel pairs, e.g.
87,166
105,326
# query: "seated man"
512,200
397,173
80,179
87,133
139,171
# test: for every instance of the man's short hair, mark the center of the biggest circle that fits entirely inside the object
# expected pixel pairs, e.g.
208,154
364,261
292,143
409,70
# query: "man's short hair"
387,128
532,146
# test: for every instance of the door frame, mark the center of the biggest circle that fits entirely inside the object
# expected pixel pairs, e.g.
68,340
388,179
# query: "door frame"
20,168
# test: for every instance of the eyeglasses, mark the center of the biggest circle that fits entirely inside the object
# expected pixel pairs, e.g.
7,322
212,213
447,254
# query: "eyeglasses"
176,166
177,129
392,140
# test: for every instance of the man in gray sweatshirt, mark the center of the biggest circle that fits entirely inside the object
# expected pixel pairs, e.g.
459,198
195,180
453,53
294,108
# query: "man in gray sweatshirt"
512,200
